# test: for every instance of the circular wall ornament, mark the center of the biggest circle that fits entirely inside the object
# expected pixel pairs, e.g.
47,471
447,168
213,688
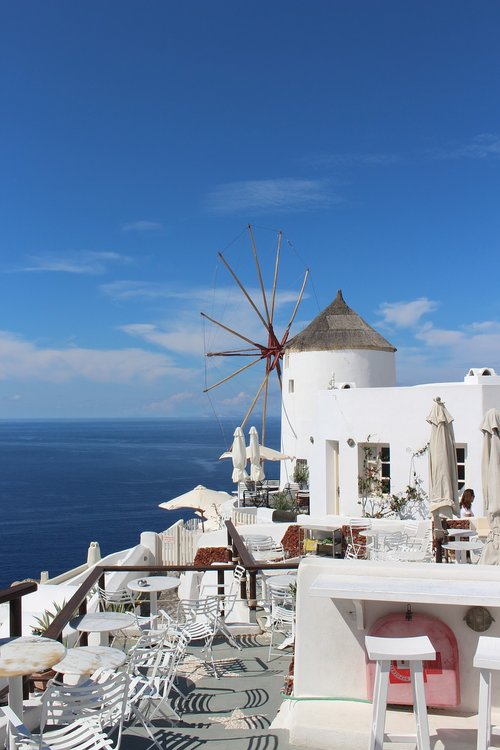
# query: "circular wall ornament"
478,619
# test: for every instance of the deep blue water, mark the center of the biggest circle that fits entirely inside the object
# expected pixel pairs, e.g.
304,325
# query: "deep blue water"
66,483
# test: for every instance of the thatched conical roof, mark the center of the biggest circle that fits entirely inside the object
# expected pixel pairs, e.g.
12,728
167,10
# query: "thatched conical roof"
338,327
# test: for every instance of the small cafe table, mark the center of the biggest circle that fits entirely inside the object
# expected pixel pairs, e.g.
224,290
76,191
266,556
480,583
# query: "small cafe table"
22,656
281,581
461,548
458,534
103,623
85,660
152,585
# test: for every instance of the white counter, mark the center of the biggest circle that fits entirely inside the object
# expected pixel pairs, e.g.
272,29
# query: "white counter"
338,601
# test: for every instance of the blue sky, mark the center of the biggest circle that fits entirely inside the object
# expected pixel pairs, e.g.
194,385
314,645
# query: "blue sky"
139,139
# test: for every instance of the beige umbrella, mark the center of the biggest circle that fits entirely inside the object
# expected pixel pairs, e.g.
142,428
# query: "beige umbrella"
256,468
239,456
443,477
490,475
490,461
200,498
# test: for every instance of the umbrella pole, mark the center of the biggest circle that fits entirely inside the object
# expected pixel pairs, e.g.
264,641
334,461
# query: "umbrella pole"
440,537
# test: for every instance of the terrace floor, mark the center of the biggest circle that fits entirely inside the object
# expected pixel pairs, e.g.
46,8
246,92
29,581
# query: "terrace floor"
234,712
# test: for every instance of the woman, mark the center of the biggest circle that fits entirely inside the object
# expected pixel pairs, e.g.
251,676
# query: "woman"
466,503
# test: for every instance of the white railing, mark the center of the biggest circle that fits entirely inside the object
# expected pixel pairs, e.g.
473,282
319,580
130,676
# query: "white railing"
241,517
179,544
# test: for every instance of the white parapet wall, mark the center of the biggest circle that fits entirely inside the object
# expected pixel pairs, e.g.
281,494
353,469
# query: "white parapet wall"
330,658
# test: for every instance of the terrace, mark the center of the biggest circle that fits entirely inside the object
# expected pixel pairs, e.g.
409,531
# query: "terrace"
235,709
338,603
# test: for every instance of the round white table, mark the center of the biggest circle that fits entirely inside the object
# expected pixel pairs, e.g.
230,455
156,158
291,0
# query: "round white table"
22,656
103,623
461,533
87,659
461,549
281,581
153,585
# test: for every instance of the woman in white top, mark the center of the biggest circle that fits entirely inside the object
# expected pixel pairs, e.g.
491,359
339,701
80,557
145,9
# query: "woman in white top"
465,504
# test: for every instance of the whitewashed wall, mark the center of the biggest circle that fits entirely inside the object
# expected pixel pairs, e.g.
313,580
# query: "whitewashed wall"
396,416
311,373
330,656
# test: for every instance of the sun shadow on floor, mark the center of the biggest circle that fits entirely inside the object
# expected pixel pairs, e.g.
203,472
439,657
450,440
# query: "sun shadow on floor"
223,702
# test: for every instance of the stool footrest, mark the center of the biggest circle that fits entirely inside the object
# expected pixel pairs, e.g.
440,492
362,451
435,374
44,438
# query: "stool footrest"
391,737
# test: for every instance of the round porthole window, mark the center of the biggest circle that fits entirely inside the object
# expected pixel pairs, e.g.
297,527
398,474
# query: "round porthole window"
478,619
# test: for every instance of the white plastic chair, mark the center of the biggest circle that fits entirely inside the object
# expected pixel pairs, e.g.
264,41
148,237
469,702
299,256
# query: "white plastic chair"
417,548
201,620
152,680
356,549
75,736
389,547
269,550
122,600
281,618
75,717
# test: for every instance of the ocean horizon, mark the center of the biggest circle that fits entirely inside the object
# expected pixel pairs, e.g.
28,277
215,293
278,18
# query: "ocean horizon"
67,482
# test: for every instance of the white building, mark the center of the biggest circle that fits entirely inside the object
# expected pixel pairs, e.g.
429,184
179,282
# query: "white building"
340,400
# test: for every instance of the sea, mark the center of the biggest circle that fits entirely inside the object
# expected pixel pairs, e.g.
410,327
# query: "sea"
65,483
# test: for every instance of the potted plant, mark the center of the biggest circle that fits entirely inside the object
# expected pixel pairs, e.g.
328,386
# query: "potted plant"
283,507
301,475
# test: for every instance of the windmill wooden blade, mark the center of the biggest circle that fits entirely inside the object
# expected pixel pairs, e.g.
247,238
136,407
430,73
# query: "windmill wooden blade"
230,330
259,274
242,288
272,351
275,279
229,377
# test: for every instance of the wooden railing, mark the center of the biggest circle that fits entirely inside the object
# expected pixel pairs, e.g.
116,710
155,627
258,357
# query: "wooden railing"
239,553
77,605
13,596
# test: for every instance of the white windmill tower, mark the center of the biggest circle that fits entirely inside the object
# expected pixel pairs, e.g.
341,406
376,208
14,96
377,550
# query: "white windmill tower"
338,349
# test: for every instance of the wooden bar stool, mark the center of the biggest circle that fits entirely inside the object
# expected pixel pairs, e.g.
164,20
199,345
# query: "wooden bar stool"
414,650
486,659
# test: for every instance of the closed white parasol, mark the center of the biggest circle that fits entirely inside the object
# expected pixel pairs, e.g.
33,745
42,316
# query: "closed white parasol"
256,469
239,456
490,461
490,475
443,477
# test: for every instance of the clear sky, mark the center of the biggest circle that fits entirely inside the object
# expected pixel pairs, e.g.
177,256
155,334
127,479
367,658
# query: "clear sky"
140,138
